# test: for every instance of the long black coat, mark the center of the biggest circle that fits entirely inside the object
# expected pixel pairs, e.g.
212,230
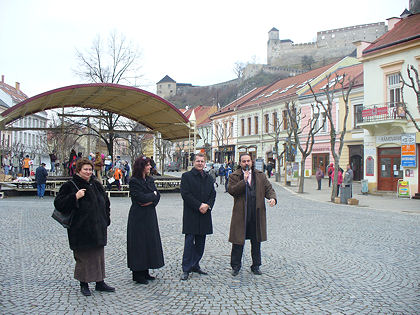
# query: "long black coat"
91,213
144,247
195,190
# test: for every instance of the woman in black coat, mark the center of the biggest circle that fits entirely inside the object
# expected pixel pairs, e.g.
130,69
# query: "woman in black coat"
144,247
86,199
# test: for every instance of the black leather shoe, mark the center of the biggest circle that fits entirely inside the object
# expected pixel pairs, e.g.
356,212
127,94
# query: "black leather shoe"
149,277
142,280
256,271
235,272
102,286
184,276
199,271
84,288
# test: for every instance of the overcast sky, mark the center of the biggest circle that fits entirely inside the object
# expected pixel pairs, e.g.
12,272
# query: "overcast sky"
193,41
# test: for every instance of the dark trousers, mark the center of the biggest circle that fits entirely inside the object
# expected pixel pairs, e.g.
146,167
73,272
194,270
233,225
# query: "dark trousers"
319,184
236,255
226,184
329,181
193,252
26,170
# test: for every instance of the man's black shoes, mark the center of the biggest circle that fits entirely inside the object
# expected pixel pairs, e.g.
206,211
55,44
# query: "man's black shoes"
84,288
184,276
235,272
199,271
256,271
102,286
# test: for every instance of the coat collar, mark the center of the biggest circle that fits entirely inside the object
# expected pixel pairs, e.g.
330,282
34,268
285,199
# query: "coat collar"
196,172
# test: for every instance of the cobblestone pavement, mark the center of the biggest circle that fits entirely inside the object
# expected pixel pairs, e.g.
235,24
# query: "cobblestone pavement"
320,258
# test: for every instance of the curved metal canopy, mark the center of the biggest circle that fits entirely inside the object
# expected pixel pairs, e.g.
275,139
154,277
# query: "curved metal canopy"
144,107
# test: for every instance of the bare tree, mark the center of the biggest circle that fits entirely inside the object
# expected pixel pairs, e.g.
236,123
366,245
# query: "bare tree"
223,132
303,132
276,125
414,84
344,84
117,62
205,133
238,69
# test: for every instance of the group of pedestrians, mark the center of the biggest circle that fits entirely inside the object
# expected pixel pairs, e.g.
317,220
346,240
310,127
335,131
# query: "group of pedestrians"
346,181
85,199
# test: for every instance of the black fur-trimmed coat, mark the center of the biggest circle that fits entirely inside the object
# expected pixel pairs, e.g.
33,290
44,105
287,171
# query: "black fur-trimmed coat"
91,213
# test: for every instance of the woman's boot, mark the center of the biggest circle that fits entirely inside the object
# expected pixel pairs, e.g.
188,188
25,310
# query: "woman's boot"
84,288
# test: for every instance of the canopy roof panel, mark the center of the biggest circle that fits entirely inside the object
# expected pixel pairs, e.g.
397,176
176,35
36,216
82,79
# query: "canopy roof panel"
144,107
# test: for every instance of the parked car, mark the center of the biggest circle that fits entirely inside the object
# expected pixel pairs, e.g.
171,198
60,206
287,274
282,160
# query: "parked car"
172,167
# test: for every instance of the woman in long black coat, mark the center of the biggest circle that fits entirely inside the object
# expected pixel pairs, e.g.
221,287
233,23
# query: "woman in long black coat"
144,247
85,198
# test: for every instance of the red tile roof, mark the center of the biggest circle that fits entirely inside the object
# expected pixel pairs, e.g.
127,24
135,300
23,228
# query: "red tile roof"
406,30
284,88
17,95
352,72
202,113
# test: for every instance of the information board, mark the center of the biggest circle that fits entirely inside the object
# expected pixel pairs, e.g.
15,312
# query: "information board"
408,150
403,188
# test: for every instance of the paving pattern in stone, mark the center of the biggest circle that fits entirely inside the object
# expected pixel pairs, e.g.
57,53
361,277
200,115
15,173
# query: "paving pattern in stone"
320,258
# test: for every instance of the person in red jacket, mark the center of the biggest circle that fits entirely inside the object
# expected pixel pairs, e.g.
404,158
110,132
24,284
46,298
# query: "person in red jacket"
329,172
339,179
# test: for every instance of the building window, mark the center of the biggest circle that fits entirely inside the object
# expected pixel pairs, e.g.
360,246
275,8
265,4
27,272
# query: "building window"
226,129
242,127
249,126
275,122
266,123
358,118
320,119
256,124
394,89
231,128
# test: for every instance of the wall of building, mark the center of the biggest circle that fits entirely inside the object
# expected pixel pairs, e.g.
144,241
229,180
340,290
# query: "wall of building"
329,44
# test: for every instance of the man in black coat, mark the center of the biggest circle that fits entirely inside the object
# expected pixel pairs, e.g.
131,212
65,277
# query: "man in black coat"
41,179
198,193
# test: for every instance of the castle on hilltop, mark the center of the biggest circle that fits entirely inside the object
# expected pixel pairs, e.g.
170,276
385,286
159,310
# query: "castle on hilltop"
329,44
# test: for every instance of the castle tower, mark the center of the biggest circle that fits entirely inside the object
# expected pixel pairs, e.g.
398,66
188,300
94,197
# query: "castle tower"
166,87
273,40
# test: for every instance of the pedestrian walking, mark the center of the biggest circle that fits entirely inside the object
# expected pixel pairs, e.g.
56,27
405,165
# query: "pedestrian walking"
144,246
319,176
85,198
212,173
41,180
249,187
269,169
228,171
198,194
222,174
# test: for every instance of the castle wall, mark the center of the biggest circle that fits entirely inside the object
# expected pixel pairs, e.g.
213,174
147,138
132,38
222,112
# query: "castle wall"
330,44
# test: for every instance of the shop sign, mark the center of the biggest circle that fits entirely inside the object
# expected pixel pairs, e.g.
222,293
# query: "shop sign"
408,150
388,139
259,164
370,166
403,188
375,111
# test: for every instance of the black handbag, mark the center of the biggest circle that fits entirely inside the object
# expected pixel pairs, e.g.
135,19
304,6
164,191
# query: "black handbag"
64,218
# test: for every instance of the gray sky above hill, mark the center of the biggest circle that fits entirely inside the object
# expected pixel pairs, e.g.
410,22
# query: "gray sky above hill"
192,41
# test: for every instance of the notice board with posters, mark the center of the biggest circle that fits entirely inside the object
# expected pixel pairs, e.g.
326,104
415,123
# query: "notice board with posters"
408,150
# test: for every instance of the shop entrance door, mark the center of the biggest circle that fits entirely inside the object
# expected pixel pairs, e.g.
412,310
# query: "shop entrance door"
390,170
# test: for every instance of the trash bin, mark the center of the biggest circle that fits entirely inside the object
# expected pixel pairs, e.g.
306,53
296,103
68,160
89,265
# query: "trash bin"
365,186
345,194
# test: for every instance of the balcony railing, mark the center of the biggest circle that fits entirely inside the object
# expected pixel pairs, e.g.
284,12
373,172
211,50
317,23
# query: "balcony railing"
381,112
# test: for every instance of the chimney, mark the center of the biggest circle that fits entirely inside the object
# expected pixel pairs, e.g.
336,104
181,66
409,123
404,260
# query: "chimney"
360,46
2,78
17,86
392,21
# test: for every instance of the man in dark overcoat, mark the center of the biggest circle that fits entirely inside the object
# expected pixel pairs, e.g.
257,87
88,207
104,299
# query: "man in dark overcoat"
198,193
249,187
